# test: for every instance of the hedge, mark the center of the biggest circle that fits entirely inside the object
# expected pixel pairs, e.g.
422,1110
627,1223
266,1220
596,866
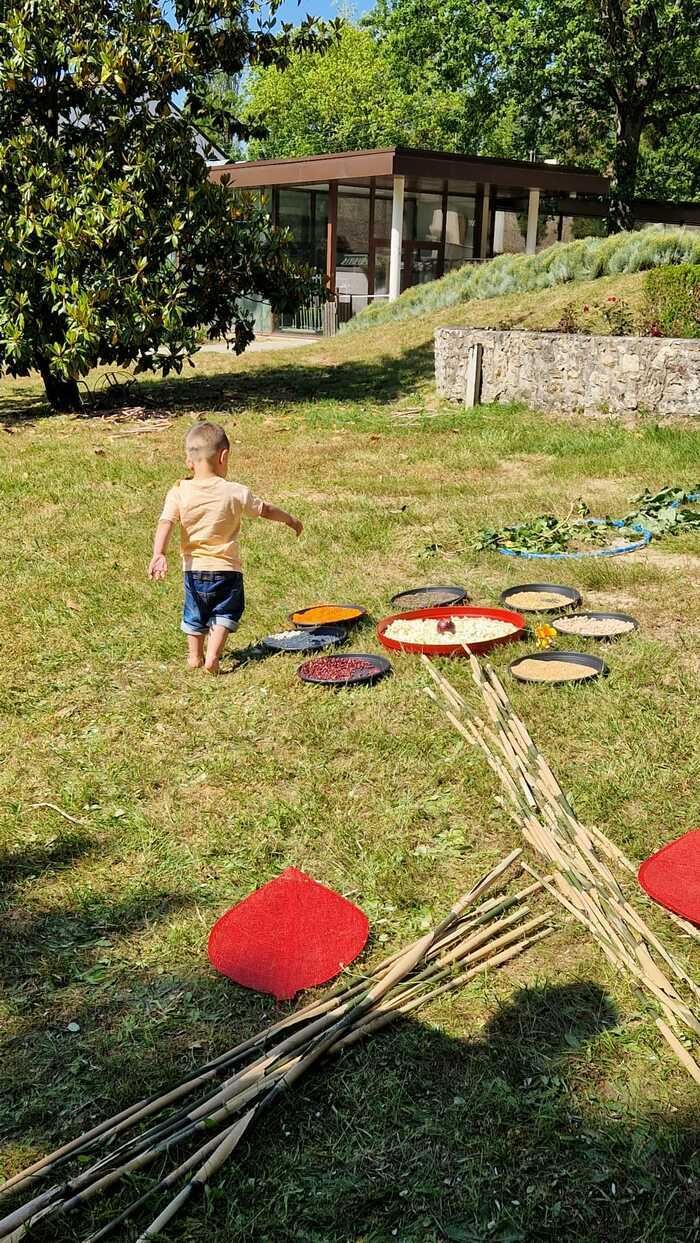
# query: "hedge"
671,301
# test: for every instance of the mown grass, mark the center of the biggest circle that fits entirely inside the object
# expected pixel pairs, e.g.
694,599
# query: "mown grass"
538,1103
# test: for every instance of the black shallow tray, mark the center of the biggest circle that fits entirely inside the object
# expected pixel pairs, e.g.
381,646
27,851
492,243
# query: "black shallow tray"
338,604
578,658
572,595
459,596
598,638
381,668
313,639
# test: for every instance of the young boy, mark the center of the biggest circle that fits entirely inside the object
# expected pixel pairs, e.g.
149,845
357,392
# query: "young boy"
209,510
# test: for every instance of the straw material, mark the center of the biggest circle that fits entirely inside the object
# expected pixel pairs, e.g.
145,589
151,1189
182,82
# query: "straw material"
212,1110
582,858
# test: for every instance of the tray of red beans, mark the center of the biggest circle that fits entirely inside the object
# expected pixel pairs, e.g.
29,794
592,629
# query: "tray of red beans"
354,669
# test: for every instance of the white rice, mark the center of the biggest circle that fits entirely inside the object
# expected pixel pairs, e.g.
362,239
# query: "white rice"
467,630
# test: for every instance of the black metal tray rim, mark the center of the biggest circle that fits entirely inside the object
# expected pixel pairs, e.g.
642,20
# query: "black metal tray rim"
382,668
599,638
557,654
461,596
340,604
335,634
573,596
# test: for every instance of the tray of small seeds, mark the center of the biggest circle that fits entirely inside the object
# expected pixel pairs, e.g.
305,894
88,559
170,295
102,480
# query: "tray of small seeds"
327,615
557,668
604,626
429,597
355,669
312,640
540,597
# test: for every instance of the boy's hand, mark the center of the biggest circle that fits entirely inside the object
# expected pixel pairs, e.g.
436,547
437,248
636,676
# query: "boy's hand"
158,568
296,526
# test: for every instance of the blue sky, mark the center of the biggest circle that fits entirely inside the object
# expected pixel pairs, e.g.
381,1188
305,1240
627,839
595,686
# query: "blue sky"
292,11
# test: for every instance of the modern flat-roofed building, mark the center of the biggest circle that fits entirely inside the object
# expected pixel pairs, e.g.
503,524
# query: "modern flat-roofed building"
377,222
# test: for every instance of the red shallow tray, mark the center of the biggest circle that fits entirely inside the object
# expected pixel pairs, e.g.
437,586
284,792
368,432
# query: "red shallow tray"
453,649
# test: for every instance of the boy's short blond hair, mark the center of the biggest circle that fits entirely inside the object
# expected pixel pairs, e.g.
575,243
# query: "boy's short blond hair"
206,440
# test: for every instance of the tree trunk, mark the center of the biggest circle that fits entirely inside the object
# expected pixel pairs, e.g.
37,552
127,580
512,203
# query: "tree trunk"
63,395
630,121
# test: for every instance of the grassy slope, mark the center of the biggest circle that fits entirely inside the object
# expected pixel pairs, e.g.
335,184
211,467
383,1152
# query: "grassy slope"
537,1104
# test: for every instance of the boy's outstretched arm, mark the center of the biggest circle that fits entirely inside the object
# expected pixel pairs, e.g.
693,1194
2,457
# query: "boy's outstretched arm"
280,515
158,567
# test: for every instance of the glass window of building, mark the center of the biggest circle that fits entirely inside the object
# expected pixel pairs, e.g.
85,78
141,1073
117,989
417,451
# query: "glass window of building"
305,213
352,247
459,230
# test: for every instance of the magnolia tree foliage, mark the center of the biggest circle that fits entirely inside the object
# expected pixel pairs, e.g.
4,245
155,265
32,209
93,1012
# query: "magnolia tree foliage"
114,246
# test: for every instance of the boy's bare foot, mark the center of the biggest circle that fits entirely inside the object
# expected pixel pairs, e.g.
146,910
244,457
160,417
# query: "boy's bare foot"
195,651
212,668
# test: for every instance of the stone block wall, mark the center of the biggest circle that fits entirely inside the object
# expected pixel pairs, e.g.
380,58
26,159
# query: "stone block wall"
570,372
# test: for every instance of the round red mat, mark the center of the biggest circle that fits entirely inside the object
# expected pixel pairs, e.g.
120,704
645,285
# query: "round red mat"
291,934
672,876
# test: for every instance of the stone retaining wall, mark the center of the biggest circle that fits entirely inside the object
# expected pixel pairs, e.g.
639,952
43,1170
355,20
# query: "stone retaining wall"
570,372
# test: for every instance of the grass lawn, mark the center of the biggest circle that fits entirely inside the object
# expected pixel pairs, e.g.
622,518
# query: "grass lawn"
536,1104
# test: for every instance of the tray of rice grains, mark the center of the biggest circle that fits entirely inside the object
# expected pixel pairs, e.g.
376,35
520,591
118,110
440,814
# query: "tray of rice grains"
429,597
603,626
540,598
327,615
558,668
355,669
448,631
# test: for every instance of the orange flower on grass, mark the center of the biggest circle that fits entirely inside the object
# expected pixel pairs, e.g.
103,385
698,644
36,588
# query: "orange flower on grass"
545,635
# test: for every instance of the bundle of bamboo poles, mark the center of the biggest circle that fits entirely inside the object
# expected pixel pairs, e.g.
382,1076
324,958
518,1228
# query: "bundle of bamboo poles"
582,857
214,1107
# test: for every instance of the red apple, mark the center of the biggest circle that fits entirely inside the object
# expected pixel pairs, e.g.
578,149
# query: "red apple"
445,625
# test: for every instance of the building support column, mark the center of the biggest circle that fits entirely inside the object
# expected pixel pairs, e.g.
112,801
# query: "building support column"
498,232
332,236
485,223
533,211
330,309
396,250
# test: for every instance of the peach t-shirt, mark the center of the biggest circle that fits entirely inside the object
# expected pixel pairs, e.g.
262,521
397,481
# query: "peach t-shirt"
209,512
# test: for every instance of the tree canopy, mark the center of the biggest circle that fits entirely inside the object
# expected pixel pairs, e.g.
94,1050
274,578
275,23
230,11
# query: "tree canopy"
342,99
606,83
114,246
370,91
607,69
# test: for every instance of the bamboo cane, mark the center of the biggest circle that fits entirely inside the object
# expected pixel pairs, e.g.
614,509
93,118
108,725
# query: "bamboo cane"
680,1051
583,881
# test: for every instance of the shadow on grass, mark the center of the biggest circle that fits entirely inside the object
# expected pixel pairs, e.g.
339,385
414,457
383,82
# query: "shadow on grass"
419,1136
382,379
48,949
18,865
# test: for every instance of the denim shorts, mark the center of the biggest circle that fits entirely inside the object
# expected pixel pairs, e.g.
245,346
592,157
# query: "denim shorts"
212,598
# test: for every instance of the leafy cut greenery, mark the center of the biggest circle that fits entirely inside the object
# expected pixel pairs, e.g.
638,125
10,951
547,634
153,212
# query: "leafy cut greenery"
537,1103
583,260
665,512
114,246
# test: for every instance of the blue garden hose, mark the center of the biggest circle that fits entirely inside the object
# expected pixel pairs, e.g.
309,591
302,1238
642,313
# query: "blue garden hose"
599,552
